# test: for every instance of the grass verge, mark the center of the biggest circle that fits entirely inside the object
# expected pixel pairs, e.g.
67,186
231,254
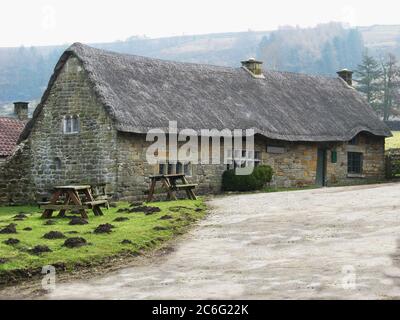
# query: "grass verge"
138,233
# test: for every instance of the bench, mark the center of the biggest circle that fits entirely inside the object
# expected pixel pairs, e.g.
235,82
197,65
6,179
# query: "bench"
184,186
96,203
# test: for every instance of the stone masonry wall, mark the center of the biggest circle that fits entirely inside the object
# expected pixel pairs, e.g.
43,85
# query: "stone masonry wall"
87,157
295,167
15,177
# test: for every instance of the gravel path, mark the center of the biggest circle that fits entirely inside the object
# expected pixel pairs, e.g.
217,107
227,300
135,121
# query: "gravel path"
336,243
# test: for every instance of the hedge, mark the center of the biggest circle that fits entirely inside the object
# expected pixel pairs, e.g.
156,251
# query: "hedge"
260,176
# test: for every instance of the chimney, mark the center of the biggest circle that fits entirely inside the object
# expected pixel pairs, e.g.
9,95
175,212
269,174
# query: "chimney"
254,67
347,76
21,110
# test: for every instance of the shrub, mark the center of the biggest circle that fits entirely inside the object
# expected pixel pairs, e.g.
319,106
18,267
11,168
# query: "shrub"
254,181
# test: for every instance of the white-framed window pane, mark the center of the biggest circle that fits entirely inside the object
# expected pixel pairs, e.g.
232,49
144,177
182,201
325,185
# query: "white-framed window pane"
187,169
75,124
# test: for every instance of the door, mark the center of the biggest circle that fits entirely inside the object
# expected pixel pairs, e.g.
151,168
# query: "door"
321,168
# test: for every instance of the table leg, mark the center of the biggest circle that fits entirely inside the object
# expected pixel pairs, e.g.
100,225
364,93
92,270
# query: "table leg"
169,186
75,199
190,192
48,212
151,190
61,214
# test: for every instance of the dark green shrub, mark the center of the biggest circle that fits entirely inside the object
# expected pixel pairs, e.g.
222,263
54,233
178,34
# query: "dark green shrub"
254,181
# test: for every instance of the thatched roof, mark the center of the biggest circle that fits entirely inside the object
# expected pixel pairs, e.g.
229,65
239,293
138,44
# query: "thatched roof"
141,93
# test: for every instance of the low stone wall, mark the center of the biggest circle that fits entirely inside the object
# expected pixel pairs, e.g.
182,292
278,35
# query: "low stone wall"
15,178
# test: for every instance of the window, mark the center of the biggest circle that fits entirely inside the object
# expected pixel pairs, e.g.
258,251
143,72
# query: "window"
161,168
243,158
334,156
172,168
57,163
71,124
354,141
354,162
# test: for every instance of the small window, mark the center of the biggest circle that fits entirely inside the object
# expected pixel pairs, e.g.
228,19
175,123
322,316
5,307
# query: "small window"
161,168
242,159
354,162
171,167
354,141
179,167
333,156
187,169
57,163
71,124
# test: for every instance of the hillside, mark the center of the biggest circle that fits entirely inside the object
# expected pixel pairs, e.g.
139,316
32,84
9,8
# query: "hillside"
24,72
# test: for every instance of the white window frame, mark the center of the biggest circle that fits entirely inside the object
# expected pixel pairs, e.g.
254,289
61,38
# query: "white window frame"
71,124
240,158
185,168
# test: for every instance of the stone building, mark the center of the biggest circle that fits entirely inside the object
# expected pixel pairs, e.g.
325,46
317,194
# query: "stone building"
91,124
11,128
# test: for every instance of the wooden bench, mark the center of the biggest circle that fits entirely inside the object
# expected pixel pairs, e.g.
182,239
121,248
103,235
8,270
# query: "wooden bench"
169,184
184,186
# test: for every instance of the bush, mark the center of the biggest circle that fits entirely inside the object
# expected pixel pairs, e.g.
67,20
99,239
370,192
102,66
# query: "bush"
254,181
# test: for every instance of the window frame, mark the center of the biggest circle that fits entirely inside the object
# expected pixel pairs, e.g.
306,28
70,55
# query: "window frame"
71,124
355,165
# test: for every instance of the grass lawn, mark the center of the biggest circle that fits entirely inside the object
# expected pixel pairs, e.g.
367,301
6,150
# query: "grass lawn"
144,232
393,142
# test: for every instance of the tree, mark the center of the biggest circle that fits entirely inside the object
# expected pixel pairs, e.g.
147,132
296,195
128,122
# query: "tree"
390,85
368,75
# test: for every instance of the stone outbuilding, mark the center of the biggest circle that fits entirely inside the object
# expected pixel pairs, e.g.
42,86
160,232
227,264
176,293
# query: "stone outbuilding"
91,124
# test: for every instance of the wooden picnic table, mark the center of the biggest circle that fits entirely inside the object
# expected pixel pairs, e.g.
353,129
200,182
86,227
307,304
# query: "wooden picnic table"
72,201
169,183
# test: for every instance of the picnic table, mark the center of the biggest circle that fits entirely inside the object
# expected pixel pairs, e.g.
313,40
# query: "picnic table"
72,201
169,183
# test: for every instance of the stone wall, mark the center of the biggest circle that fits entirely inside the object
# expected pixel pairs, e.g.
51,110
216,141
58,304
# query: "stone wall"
87,157
16,185
134,170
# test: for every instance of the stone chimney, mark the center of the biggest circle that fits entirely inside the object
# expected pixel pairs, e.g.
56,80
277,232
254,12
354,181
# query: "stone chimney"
254,67
21,110
347,76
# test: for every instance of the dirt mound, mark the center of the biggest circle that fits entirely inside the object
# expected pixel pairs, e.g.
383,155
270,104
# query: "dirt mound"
3,260
178,208
11,241
126,241
72,232
75,242
77,221
11,228
198,209
20,217
49,223
104,228
166,217
113,205
146,209
136,204
54,235
27,229
121,219
40,249
160,228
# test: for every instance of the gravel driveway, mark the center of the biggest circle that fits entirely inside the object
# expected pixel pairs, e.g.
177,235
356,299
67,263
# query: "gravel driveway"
335,243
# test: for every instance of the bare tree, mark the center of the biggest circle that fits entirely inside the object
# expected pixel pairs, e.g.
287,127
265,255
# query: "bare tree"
390,85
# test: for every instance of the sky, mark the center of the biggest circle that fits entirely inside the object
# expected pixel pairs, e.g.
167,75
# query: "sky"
50,22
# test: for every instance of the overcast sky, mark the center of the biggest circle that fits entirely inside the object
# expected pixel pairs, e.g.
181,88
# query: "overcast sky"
42,22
